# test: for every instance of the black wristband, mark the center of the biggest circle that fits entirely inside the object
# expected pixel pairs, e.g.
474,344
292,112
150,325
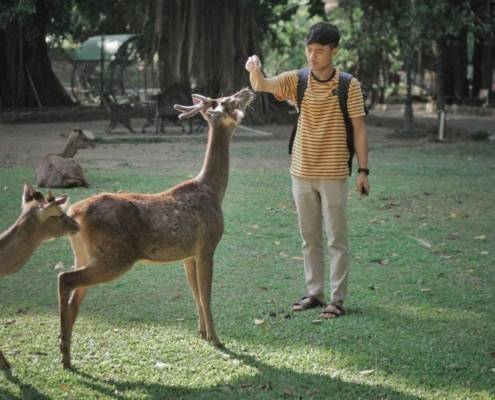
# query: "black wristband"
365,170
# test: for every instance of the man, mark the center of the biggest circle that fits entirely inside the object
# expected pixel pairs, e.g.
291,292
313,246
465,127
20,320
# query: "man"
319,163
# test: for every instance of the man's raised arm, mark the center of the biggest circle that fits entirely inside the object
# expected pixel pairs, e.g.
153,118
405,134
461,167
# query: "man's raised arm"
258,82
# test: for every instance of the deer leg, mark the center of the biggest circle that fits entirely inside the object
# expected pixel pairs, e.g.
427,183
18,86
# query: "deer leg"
127,124
190,268
204,274
70,298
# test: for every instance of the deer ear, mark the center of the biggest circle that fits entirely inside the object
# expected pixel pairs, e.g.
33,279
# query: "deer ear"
62,201
27,194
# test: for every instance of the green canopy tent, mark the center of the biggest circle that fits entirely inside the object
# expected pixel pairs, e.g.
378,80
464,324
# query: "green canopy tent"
108,63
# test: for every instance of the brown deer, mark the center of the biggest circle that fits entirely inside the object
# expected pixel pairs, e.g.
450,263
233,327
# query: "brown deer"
41,219
182,223
61,170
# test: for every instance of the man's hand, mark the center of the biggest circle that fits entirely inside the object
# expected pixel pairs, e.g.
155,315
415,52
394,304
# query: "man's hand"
253,63
363,186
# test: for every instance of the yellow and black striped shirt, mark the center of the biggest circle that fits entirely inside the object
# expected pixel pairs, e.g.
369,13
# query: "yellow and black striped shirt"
320,148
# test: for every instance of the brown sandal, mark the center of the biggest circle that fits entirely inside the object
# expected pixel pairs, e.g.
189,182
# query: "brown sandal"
333,310
307,302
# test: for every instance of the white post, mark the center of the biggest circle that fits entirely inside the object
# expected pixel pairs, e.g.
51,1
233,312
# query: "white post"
441,124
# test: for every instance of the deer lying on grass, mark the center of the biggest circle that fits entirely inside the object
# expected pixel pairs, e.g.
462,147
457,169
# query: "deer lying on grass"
61,170
41,219
182,223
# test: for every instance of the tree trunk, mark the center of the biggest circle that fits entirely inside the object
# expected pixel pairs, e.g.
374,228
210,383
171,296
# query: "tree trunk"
27,76
438,51
408,109
205,44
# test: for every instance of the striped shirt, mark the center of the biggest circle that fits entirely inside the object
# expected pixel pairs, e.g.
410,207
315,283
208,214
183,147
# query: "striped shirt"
320,148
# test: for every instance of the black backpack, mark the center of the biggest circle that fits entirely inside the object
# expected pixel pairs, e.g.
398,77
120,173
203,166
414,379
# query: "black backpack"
343,90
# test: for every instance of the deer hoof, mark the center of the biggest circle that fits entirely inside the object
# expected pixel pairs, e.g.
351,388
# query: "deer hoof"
4,364
66,364
215,342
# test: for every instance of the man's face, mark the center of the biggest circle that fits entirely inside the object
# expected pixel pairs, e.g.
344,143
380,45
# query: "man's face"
320,56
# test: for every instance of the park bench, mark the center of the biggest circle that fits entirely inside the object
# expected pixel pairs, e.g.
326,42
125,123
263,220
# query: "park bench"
164,108
119,113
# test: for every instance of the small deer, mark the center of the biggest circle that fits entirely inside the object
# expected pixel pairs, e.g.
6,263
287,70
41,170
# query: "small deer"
61,170
182,223
41,219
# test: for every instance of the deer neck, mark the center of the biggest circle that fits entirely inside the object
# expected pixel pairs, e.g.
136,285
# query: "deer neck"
18,244
70,150
215,171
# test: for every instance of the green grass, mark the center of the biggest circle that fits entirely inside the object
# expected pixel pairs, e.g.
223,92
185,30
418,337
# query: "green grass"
420,325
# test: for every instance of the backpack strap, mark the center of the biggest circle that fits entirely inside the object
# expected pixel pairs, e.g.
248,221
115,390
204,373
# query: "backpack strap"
344,83
302,83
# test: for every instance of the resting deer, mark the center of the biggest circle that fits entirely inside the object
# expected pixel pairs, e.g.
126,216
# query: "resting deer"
41,219
182,223
61,170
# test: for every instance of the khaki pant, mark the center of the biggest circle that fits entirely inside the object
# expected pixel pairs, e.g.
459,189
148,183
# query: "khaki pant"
323,201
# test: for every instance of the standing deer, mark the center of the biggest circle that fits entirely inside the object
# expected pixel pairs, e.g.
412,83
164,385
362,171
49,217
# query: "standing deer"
41,219
182,223
61,170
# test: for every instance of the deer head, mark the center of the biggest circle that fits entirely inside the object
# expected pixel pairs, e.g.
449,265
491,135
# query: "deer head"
49,212
228,111
81,139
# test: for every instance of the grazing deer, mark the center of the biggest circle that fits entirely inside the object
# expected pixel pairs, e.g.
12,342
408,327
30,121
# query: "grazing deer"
61,170
182,223
41,219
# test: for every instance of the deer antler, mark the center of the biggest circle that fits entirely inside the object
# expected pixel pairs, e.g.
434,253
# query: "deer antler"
200,104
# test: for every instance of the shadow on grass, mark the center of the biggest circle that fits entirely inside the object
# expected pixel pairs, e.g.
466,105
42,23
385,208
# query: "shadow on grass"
27,391
275,383
428,351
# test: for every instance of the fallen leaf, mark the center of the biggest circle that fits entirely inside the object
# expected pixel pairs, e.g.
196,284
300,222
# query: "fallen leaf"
245,385
180,319
259,321
9,322
266,386
384,262
480,237
423,242
425,290
367,372
161,365
263,288
297,258
317,321
59,266
254,226
453,215
445,256
115,330
177,296
5,188
277,243
484,253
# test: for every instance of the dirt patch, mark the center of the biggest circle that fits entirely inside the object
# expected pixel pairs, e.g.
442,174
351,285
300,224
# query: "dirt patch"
26,144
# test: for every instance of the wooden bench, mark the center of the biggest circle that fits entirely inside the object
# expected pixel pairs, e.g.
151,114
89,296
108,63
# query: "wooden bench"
164,108
119,113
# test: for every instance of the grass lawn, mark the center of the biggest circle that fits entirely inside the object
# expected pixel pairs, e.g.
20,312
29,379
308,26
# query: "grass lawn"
421,304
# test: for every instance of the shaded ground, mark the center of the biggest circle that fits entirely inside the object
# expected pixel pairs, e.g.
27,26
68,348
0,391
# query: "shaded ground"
26,144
